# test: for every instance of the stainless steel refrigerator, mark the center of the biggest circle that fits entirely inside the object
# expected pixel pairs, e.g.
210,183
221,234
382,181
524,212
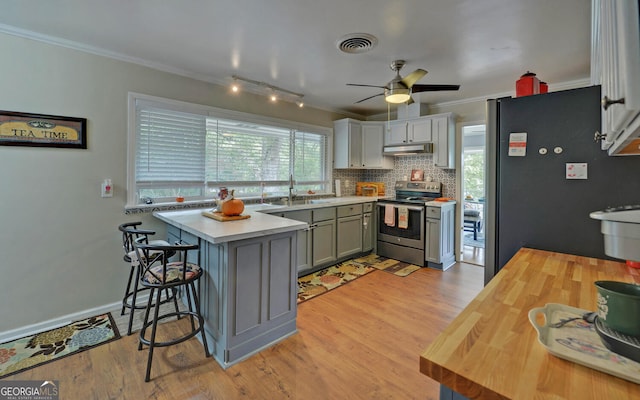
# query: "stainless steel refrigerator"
539,150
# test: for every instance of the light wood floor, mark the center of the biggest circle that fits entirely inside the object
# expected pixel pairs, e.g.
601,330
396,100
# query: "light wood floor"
360,341
473,255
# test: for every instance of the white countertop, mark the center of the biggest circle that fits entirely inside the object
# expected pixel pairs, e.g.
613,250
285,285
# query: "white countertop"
439,203
259,224
316,203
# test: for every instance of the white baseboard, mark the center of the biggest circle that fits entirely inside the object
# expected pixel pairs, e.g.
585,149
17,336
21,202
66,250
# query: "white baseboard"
64,320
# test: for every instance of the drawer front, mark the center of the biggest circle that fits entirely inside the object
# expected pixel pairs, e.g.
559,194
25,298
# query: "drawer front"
433,212
367,207
323,214
348,211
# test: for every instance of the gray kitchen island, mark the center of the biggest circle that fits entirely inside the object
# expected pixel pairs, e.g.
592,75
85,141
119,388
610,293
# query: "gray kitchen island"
249,289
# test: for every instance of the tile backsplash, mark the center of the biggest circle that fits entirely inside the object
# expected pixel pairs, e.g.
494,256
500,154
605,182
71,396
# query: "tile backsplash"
401,171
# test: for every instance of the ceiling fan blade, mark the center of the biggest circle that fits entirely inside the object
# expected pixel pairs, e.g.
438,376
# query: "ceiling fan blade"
357,84
413,77
410,101
370,97
433,88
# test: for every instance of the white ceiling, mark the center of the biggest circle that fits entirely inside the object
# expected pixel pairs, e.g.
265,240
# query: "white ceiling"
483,45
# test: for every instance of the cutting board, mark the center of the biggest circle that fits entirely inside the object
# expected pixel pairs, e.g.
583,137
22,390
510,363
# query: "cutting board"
378,185
218,216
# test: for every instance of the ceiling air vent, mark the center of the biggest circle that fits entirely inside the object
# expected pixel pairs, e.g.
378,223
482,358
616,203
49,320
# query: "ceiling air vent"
354,43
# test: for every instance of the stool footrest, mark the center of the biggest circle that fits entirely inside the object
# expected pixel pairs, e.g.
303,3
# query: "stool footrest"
175,340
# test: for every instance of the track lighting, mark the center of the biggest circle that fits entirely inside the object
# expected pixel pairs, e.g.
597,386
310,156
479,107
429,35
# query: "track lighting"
273,92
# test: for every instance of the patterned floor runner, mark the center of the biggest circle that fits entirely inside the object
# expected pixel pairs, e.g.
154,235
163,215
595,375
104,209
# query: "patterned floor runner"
322,281
28,352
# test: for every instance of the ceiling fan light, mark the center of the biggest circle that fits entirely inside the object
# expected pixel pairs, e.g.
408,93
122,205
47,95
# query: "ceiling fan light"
397,95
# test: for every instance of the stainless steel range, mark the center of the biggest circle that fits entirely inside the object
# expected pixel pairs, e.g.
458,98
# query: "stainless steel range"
401,221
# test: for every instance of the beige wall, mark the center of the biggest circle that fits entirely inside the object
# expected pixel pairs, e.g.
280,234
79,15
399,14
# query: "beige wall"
61,251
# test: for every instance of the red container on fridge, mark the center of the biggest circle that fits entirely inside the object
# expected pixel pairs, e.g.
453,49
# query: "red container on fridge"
527,85
544,87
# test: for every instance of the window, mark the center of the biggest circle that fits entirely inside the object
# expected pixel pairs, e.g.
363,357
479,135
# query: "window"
191,151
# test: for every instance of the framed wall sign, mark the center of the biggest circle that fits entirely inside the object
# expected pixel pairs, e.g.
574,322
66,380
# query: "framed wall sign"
39,130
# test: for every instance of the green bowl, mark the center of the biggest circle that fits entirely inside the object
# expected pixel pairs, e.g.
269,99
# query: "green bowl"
619,306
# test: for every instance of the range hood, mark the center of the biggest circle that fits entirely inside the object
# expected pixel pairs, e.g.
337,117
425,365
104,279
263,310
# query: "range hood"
408,149
621,229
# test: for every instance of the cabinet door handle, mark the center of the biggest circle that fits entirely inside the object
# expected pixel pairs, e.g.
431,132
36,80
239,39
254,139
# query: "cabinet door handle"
607,102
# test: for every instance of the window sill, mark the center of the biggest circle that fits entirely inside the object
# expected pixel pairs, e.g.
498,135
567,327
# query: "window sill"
186,205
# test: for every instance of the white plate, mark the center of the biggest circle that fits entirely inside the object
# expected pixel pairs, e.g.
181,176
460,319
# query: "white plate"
578,341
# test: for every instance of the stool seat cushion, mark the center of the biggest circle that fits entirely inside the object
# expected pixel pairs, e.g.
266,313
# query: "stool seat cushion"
174,273
471,213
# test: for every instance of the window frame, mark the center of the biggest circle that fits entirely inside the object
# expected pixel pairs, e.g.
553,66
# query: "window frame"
209,112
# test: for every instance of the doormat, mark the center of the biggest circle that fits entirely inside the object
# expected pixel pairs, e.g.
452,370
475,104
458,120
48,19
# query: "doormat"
31,351
320,282
395,267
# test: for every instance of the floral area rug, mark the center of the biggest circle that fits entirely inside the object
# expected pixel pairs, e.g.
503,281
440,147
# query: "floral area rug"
322,281
29,352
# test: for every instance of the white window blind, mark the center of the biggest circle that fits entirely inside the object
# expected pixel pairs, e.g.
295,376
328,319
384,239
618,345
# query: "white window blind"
244,152
310,158
183,150
170,148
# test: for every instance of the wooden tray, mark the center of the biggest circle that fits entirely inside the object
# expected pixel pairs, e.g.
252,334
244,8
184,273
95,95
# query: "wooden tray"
218,216
578,341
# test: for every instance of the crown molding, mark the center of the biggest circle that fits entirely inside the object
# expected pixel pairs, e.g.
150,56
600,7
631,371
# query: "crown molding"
23,33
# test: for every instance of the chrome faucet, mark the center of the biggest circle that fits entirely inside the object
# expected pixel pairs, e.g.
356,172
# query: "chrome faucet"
291,195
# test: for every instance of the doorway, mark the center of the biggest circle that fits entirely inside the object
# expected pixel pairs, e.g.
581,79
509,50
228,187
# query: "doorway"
473,194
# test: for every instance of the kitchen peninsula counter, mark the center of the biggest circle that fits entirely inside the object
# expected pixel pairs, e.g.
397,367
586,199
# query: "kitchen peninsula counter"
248,292
259,224
491,350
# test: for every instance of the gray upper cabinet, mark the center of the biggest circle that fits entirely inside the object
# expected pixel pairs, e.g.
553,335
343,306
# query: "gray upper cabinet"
444,132
358,145
347,144
409,131
372,143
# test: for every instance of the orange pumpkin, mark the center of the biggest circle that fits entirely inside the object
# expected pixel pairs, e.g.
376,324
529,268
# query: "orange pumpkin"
232,206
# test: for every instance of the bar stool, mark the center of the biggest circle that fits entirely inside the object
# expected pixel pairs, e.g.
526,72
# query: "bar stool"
131,232
158,273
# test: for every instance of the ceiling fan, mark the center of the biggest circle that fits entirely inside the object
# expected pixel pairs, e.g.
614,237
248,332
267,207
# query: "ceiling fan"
399,89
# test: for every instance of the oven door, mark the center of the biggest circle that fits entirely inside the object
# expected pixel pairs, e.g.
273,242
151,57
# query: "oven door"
411,236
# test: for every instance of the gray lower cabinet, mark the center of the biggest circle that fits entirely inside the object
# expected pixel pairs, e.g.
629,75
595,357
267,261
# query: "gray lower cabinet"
349,230
368,228
248,293
323,236
334,234
304,261
440,244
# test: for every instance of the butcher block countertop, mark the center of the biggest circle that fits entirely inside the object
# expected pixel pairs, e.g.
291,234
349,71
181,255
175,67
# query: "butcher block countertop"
491,350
